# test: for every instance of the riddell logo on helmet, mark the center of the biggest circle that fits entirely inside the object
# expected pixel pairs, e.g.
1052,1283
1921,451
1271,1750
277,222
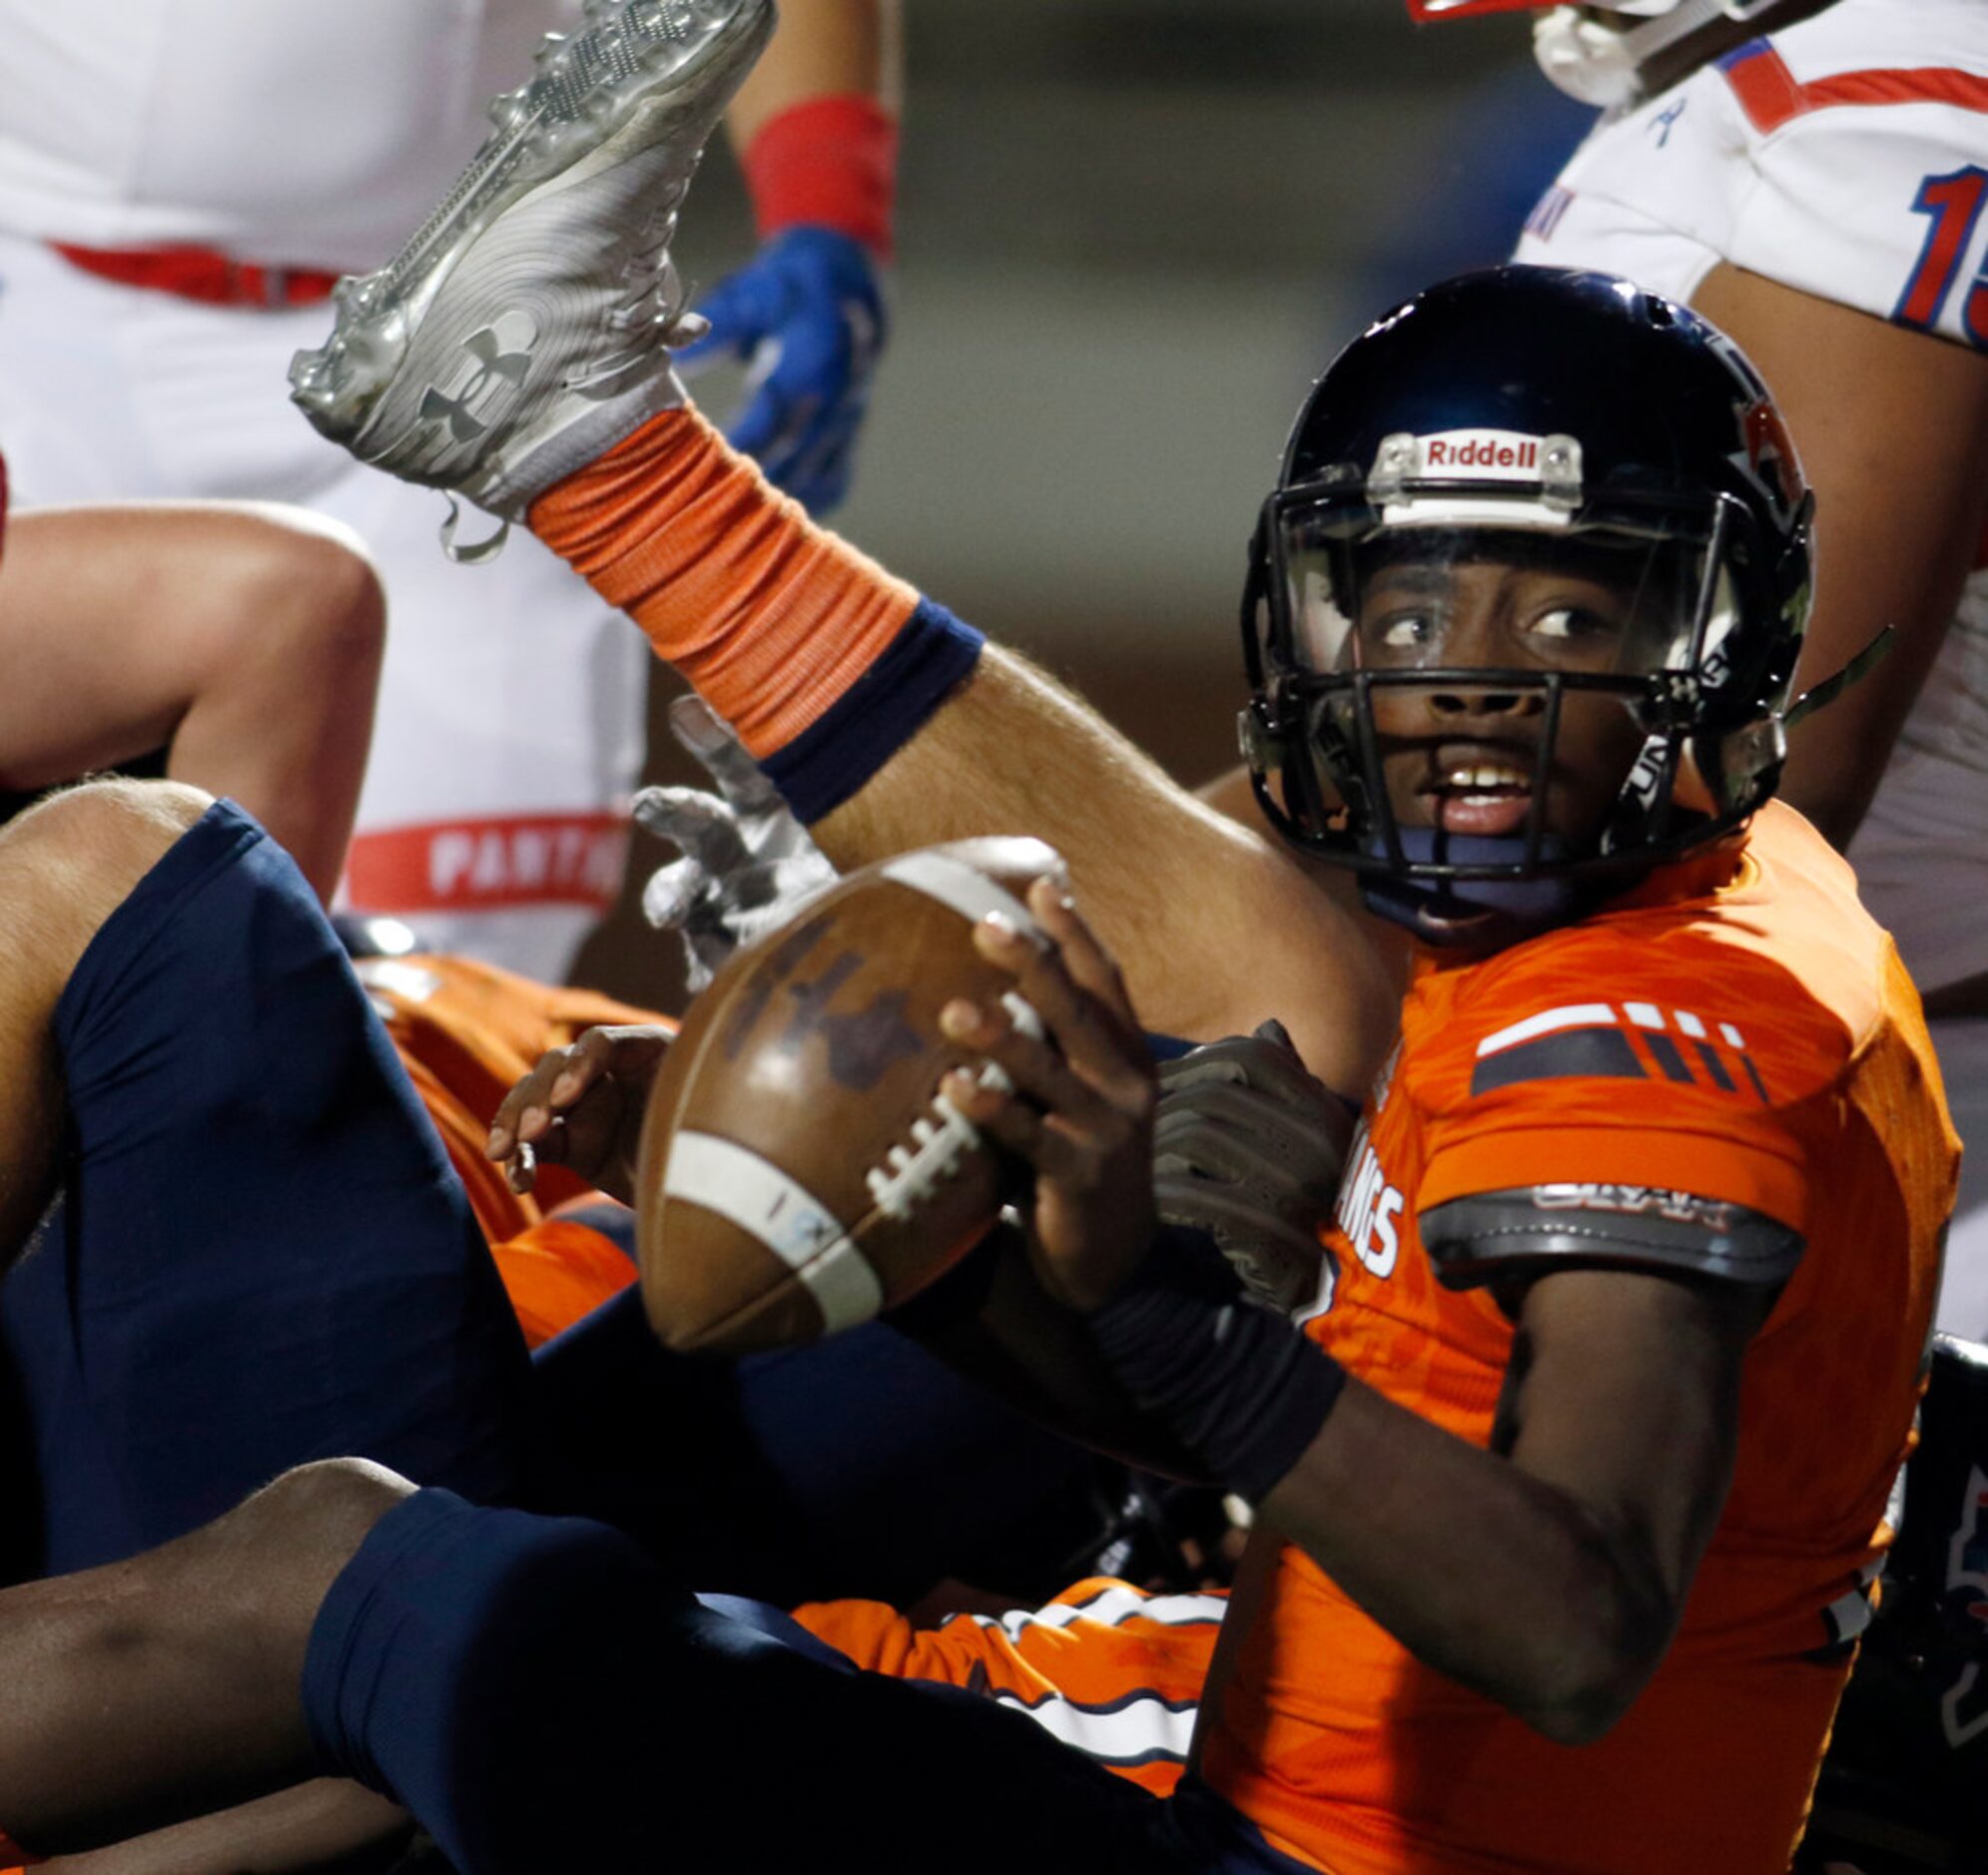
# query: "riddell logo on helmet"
1488,454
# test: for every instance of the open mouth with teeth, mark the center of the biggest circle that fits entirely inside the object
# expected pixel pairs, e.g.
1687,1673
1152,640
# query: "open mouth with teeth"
1477,792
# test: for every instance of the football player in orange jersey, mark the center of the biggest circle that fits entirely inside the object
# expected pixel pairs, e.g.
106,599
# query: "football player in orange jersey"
1662,1114
1556,1555
1661,1144
1528,679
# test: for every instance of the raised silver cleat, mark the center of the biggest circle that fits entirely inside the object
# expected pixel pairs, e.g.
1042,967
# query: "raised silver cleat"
525,329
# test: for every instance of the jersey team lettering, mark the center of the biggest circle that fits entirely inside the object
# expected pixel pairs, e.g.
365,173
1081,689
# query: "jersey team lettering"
1368,1207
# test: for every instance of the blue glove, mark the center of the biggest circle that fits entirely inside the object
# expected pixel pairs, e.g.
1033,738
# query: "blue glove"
808,311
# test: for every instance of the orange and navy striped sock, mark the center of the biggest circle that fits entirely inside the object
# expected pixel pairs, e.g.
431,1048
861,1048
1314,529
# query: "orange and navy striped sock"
824,663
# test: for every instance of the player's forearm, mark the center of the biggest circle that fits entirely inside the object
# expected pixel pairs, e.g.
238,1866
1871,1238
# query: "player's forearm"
821,49
1493,1577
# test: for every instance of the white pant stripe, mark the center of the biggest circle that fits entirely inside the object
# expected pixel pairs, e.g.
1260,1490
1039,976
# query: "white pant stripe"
1134,1734
1110,1609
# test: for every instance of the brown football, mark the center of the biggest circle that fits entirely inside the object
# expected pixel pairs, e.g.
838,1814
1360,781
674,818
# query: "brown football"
799,1171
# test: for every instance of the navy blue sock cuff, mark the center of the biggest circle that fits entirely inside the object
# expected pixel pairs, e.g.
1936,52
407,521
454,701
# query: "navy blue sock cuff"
441,1596
348,1658
830,761
498,1674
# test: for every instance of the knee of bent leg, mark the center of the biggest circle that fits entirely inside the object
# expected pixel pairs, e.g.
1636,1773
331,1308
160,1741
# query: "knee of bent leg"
73,858
305,589
105,824
296,1533
111,830
329,1504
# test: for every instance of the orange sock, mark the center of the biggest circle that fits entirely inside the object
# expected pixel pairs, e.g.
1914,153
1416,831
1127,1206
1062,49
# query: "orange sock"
824,663
771,617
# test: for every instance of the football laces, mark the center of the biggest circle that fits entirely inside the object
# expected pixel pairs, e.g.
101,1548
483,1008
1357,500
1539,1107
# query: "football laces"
942,1136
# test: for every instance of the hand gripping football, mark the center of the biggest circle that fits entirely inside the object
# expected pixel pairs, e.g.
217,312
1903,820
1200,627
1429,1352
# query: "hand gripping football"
799,1171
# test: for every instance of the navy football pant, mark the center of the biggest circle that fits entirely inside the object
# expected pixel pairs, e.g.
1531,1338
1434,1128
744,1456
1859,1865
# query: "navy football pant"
861,1465
262,1257
541,1695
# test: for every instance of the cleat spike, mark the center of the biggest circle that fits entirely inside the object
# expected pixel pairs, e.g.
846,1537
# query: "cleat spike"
508,109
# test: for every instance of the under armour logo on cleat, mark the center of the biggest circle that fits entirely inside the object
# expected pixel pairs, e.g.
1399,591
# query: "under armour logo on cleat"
501,356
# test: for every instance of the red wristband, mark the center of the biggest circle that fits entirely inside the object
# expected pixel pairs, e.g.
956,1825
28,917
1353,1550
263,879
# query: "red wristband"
829,163
12,1855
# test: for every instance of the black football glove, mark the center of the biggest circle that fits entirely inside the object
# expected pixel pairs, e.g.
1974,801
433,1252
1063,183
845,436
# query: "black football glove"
1249,1146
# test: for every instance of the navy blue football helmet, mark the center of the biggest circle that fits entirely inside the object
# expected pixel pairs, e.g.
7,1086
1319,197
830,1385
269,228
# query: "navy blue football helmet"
1513,419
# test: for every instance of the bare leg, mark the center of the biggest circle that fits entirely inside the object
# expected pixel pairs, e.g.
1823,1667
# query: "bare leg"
1012,749
325,1827
167,1686
249,639
65,867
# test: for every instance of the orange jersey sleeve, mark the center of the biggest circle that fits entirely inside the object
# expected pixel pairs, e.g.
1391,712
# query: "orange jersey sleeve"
1723,1073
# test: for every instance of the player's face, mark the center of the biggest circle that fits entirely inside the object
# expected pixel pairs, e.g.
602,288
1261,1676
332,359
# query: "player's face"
1468,757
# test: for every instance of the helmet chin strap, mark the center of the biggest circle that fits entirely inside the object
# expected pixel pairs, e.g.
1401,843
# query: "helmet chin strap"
1476,910
1600,61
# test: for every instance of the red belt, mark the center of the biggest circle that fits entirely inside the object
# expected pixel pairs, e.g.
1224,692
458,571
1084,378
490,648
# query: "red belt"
202,273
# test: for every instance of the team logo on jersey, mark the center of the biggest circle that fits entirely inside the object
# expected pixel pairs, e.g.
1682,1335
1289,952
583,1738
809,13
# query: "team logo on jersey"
498,358
1679,1207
